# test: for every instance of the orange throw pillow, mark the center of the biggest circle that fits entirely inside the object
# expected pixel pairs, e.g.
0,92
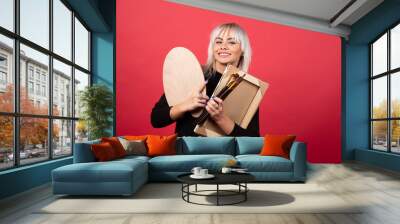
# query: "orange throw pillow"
103,151
116,145
161,145
277,145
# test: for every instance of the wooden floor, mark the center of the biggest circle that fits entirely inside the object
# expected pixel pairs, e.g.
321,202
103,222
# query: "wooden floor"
354,182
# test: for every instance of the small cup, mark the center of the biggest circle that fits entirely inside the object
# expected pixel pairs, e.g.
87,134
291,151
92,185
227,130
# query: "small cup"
203,172
196,170
226,170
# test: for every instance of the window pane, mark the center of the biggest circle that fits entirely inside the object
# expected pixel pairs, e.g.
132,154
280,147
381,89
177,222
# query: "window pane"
379,55
62,138
33,140
395,47
81,45
62,29
6,74
395,136
35,21
395,95
379,135
6,142
81,81
81,131
379,100
34,80
62,89
7,14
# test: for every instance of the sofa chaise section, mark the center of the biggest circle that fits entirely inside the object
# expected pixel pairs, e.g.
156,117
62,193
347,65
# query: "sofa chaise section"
86,177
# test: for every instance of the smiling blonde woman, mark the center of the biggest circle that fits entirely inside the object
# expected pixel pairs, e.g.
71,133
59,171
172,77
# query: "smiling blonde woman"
229,45
238,42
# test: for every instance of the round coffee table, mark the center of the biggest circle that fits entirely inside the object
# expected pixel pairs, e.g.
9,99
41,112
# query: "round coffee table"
238,179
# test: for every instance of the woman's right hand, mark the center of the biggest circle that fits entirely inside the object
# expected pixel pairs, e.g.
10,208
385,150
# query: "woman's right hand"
195,101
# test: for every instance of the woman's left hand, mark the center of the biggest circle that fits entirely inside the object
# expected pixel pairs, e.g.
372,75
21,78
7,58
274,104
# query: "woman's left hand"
215,108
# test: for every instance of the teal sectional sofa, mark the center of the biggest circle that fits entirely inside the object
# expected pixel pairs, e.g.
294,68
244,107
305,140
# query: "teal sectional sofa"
125,176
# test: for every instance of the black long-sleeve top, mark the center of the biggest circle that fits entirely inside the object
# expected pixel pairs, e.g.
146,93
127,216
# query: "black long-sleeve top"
160,116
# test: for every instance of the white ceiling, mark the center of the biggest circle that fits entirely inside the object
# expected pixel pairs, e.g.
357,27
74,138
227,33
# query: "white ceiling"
318,9
325,16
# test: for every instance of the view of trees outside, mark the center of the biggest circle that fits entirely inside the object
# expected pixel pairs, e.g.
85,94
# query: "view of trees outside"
379,128
381,72
33,132
395,111
379,97
62,144
6,141
395,125
33,139
34,81
81,131
379,102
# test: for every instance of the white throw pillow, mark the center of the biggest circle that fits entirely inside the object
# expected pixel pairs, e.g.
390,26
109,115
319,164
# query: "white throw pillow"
134,147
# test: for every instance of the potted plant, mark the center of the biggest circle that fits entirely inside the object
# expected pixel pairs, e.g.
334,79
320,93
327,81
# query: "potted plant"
96,102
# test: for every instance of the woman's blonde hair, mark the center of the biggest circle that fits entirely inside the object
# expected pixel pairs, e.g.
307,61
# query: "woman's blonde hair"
239,35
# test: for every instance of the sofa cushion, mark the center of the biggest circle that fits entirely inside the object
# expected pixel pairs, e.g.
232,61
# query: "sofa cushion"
206,145
111,171
116,145
134,147
185,163
103,152
249,145
161,145
277,145
257,163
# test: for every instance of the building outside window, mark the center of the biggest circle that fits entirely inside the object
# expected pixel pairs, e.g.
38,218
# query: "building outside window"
3,72
30,72
35,73
3,78
55,96
3,60
30,87
38,89
44,77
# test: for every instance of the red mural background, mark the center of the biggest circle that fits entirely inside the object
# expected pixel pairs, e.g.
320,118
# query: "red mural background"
302,67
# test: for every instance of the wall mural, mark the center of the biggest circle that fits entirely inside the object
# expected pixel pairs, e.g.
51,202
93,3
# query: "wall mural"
300,71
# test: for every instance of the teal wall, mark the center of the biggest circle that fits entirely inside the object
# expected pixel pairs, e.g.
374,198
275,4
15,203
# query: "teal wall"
380,159
24,178
356,75
103,58
99,15
103,61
